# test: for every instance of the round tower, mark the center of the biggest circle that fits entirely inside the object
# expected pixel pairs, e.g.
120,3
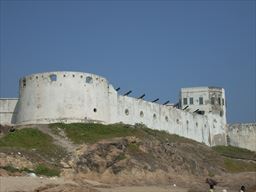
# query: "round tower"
62,97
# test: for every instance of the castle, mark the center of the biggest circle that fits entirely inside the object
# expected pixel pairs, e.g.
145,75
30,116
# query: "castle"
83,97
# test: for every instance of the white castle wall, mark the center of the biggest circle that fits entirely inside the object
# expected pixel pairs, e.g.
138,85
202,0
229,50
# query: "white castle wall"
242,135
71,98
207,129
68,99
7,110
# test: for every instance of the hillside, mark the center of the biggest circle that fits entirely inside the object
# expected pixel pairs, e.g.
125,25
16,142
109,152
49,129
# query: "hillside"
121,154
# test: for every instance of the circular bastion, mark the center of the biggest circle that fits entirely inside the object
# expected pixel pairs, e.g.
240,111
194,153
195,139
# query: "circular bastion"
62,97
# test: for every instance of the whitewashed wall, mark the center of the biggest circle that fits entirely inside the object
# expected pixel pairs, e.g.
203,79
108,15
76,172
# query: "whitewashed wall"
7,110
242,135
70,98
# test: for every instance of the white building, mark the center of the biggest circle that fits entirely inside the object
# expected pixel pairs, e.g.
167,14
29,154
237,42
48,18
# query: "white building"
204,100
83,97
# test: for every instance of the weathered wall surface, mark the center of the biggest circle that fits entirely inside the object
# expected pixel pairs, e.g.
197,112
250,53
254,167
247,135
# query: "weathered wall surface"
242,135
8,110
69,97
81,97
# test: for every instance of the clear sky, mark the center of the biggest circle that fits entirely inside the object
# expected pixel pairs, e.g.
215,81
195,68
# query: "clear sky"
151,47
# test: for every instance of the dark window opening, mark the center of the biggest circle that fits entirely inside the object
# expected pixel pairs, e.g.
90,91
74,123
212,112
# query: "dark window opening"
201,100
223,103
88,80
154,116
53,77
126,112
191,101
141,114
185,101
94,110
219,101
24,82
73,75
166,118
212,100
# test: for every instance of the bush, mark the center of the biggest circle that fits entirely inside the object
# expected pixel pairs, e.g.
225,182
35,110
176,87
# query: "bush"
41,169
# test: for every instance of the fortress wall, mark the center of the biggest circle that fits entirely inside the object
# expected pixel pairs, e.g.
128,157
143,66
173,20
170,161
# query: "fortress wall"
242,135
207,129
81,97
7,110
69,98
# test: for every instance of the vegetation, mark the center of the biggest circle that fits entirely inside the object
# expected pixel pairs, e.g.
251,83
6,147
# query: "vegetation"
235,152
91,132
42,169
133,148
234,165
32,142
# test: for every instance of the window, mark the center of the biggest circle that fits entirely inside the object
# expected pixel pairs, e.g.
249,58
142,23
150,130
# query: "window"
88,80
212,100
201,100
185,101
94,110
126,112
223,103
166,119
24,82
219,101
141,114
154,116
191,101
53,77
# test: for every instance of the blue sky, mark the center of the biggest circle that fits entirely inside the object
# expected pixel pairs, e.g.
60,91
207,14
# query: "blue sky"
151,47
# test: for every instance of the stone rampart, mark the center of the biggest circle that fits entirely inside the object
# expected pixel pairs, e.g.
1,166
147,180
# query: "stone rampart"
242,135
8,110
83,97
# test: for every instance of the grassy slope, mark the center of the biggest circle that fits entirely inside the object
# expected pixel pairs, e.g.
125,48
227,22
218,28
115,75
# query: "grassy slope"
34,142
234,158
91,133
38,146
235,152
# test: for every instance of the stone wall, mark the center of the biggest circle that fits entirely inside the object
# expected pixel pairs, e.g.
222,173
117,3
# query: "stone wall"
8,110
242,135
82,97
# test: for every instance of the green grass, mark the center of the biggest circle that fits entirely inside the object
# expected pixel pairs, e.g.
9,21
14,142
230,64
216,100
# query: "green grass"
31,140
235,152
42,169
91,132
133,148
234,166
